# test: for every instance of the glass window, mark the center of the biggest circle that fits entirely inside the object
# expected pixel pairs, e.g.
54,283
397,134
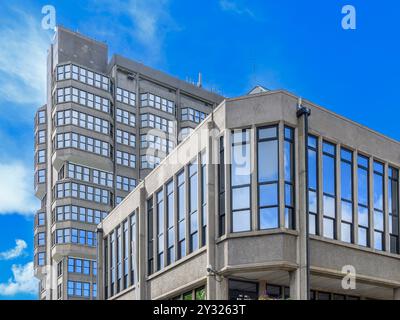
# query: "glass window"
200,294
289,177
346,172
393,206
378,206
170,223
240,180
221,188
268,175
160,230
133,247
203,198
363,199
150,237
119,259
41,219
181,215
313,183
41,259
126,253
71,265
112,262
329,190
274,292
193,212
242,290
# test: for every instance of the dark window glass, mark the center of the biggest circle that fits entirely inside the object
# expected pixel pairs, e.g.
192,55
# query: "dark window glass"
242,290
274,292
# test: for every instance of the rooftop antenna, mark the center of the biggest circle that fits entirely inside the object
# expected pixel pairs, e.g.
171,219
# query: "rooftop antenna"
200,81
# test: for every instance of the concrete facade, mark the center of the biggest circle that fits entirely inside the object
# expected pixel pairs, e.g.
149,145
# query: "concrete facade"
255,247
93,146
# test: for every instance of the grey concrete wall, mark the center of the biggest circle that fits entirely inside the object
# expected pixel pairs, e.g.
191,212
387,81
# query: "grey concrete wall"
190,269
74,47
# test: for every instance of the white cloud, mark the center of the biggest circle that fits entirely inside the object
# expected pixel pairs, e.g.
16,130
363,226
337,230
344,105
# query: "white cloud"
16,189
147,23
22,281
22,58
17,251
232,6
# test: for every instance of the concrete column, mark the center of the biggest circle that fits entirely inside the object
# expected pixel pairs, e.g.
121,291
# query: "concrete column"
298,282
64,285
295,286
262,288
222,289
396,294
100,268
212,219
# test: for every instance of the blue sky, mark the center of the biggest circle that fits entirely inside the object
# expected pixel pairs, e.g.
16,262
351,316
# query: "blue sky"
236,44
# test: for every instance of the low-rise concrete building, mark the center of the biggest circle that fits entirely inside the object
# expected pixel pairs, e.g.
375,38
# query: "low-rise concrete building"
225,214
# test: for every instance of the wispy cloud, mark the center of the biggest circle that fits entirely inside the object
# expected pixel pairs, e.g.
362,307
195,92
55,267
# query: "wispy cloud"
22,281
232,6
146,23
16,189
22,58
17,251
